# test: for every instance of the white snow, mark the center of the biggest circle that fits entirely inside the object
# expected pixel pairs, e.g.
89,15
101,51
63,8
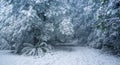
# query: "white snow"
66,27
75,56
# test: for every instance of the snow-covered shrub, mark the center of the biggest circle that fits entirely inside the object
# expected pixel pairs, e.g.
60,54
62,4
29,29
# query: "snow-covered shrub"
37,49
66,30
91,22
30,21
5,10
106,32
66,27
4,44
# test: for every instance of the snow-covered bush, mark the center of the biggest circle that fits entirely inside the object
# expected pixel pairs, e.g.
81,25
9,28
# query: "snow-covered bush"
106,32
30,21
66,27
92,22
37,49
4,44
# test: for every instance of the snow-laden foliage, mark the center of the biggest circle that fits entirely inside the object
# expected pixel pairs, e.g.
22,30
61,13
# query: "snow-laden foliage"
92,22
66,27
4,44
35,49
106,33
32,22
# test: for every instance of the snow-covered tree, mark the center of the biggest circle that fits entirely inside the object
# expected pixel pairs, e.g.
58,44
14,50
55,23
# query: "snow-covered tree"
32,22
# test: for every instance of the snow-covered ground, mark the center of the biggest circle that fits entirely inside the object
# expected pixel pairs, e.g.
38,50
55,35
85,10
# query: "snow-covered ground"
75,56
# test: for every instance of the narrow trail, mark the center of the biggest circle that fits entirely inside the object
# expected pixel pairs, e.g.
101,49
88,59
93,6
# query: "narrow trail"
75,56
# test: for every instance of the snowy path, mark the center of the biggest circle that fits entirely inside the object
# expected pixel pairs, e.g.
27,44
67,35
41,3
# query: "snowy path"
79,56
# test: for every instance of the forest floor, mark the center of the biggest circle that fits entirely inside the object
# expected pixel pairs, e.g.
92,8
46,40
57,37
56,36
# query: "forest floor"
65,56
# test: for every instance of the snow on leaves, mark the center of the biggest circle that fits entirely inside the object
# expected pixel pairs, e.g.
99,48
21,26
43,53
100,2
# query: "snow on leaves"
66,27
